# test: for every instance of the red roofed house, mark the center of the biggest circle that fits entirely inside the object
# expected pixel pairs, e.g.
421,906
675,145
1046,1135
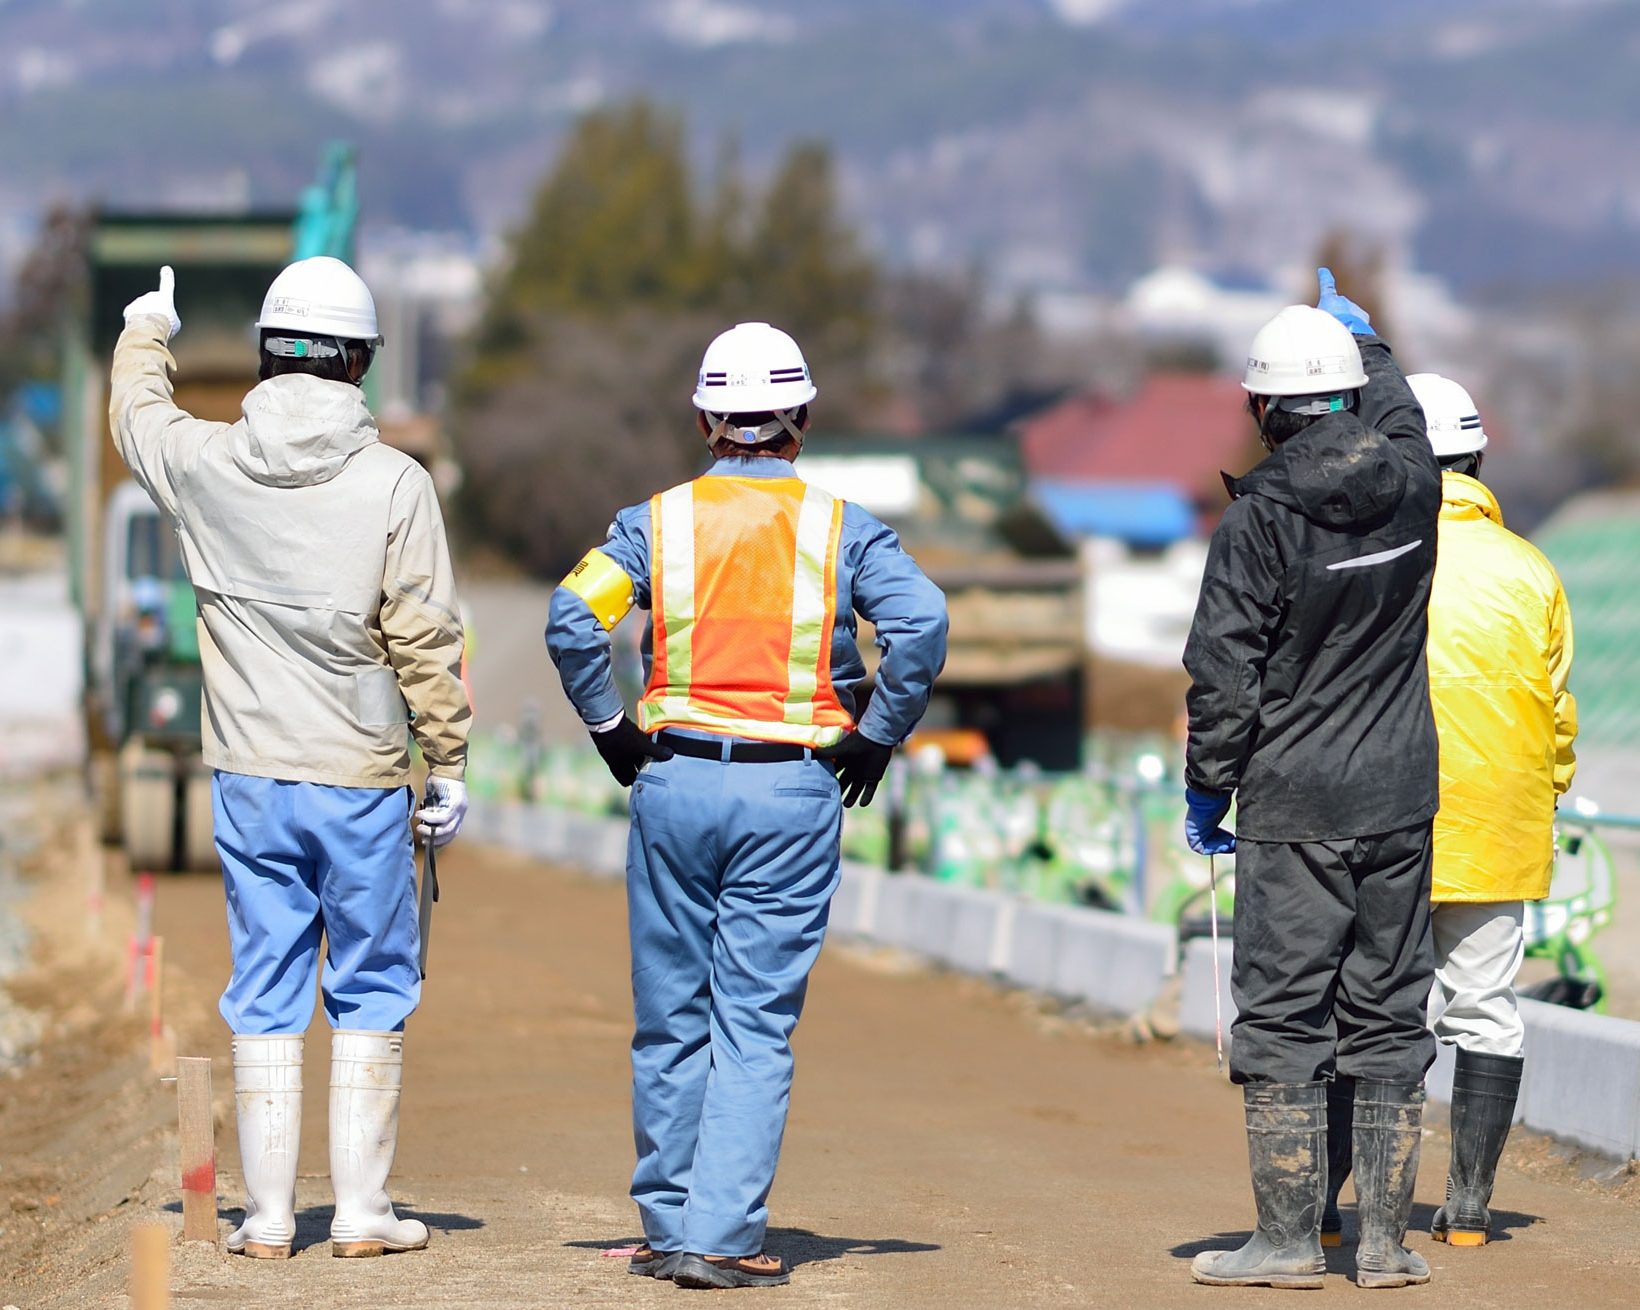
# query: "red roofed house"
1128,474
1180,429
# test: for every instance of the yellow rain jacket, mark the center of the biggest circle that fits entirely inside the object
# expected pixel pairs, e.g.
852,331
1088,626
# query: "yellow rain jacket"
1500,650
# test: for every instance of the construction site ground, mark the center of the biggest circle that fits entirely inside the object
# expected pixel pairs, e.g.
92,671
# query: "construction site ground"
950,1144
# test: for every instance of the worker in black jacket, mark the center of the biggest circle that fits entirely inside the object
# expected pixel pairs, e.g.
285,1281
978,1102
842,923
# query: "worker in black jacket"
1309,703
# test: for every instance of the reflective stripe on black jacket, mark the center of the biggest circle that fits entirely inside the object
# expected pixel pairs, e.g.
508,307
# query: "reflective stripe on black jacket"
1309,693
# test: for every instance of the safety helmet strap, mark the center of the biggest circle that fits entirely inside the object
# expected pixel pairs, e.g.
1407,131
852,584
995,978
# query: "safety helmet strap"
722,427
1321,403
316,347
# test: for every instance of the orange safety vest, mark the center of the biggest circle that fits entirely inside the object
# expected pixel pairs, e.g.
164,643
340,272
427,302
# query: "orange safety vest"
743,581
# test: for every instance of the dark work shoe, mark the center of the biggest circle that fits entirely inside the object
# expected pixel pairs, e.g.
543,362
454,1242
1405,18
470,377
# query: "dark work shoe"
761,1270
647,1262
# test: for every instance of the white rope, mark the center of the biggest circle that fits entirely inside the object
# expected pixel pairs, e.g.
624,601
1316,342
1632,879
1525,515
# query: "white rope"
1218,998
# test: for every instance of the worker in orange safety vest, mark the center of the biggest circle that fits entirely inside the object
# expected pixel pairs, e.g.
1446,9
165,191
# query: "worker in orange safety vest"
749,741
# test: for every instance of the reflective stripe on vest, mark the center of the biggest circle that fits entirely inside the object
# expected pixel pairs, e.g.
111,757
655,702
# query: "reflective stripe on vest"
744,581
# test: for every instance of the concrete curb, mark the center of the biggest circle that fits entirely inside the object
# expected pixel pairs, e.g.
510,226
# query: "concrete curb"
1582,1079
1116,963
1196,989
1112,963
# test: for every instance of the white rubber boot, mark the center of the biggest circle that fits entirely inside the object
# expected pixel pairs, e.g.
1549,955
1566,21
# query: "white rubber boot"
267,1093
366,1070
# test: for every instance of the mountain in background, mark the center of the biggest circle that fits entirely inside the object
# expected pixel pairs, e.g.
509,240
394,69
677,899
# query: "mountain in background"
1055,144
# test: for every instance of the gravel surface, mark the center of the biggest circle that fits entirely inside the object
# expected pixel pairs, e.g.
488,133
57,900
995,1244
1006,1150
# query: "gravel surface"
950,1145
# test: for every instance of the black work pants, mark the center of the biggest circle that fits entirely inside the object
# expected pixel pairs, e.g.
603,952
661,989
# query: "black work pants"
1333,959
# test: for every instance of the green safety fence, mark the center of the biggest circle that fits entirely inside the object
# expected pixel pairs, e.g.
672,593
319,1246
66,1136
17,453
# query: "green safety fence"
1110,837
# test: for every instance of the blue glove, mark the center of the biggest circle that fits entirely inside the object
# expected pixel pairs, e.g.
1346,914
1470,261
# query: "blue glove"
1345,310
1203,814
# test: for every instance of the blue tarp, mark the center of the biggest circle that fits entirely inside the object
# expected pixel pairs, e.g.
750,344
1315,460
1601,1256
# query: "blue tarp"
1148,514
41,403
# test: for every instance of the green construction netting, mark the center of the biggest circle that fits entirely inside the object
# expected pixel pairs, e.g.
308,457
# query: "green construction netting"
1594,543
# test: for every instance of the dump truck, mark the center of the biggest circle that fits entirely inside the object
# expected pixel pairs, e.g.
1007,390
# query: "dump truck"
143,680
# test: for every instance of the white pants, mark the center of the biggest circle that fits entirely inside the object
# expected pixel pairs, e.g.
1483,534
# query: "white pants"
1478,951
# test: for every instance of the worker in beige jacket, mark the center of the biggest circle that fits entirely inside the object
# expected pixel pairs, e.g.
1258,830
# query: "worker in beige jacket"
329,633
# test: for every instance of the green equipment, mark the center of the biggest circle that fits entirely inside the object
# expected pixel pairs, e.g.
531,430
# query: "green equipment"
1581,901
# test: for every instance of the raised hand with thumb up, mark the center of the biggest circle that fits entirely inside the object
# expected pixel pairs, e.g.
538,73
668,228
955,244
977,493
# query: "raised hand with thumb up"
160,304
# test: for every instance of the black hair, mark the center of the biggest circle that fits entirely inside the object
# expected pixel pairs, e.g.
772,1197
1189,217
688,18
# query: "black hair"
1277,425
333,368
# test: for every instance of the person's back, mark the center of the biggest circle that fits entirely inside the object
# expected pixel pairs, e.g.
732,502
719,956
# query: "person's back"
1318,580
1499,648
743,640
303,536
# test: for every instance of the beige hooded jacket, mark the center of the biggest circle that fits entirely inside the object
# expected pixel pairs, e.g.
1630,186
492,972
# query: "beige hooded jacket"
327,607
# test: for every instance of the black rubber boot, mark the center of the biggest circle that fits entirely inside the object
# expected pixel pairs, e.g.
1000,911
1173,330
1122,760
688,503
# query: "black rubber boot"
1484,1091
1286,1146
1389,1119
1340,1151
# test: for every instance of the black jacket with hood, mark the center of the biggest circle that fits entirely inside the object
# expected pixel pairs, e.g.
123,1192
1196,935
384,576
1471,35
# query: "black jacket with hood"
1310,695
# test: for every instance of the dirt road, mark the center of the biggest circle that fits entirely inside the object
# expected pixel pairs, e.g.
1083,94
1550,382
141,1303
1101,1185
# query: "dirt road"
949,1145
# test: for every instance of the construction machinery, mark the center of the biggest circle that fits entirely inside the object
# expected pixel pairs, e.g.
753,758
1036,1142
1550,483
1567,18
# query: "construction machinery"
143,679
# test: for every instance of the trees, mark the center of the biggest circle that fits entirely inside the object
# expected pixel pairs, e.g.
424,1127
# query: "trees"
50,286
1359,270
574,399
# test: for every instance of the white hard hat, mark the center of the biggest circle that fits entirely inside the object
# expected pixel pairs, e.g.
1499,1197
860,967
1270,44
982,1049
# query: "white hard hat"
1303,351
1450,415
750,369
321,297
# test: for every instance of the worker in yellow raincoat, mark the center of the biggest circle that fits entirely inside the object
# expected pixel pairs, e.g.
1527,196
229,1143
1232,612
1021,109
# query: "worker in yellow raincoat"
1500,652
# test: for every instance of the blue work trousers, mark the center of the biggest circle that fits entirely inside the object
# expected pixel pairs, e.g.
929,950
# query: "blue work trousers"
730,874
298,859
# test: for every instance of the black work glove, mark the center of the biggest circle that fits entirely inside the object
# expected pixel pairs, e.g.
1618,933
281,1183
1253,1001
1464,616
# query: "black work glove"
861,764
625,747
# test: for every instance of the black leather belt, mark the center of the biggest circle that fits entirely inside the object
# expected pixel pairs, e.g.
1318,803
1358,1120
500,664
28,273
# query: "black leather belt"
741,752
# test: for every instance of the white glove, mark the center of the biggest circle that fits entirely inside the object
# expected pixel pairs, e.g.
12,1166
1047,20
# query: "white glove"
161,303
440,822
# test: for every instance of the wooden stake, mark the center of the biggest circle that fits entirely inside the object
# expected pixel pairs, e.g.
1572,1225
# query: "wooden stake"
197,1134
150,1267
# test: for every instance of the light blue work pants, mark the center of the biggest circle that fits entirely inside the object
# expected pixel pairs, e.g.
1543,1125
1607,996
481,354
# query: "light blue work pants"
730,873
299,858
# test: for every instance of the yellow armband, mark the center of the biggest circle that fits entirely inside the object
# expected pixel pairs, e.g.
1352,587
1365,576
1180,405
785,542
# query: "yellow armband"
603,585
